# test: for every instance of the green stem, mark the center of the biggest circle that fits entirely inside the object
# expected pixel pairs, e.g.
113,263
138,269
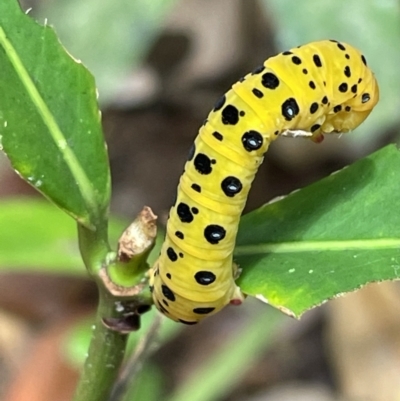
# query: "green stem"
107,347
127,381
130,273
94,247
106,353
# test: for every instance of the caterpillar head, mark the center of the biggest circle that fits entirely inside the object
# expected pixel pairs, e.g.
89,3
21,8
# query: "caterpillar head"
352,112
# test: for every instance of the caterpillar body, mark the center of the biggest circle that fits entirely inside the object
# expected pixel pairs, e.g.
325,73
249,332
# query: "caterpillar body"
318,88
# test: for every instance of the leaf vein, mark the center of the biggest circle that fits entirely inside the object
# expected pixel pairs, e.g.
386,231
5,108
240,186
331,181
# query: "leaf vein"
318,246
83,183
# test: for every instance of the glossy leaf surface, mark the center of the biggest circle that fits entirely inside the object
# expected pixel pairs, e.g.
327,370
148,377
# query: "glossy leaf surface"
50,124
329,238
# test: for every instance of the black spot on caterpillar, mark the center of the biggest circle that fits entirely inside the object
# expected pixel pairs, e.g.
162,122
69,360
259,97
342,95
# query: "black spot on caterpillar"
319,88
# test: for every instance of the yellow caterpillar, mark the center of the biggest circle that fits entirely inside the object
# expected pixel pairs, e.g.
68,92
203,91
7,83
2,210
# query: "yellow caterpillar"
318,88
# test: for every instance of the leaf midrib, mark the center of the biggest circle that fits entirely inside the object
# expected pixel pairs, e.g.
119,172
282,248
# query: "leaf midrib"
78,173
314,246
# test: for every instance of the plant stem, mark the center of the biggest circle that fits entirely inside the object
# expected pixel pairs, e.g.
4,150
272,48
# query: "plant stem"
107,347
94,247
135,362
106,353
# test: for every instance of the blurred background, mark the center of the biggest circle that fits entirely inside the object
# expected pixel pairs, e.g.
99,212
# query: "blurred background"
159,66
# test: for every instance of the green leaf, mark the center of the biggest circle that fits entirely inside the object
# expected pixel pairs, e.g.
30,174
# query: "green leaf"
329,238
50,124
37,237
372,26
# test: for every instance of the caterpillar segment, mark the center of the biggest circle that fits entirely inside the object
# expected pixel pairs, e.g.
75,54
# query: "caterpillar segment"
315,89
